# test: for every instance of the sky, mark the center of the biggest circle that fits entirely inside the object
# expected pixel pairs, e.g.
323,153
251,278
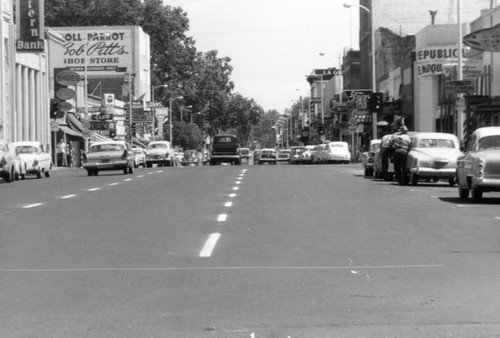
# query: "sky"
273,44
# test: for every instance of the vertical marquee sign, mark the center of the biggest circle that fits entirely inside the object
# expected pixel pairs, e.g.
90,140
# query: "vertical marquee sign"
30,26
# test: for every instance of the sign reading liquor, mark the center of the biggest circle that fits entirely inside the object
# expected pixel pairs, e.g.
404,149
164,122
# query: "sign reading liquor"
30,26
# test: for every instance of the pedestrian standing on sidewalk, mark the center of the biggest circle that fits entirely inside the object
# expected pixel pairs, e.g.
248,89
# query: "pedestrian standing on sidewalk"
61,154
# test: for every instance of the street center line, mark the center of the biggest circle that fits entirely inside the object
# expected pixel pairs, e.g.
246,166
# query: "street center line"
94,189
222,218
209,246
232,195
67,196
127,179
228,204
32,205
235,188
113,184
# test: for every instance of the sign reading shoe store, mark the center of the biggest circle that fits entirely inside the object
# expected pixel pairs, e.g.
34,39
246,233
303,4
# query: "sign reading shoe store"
30,26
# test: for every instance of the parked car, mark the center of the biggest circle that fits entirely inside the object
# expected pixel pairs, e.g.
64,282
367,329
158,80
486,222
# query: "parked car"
140,157
432,156
267,155
245,154
478,170
34,160
190,158
296,155
256,156
10,163
283,155
160,153
367,157
307,154
337,152
108,155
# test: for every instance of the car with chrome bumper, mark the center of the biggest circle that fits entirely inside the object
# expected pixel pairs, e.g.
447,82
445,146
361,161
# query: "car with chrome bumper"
10,163
478,170
160,153
267,156
34,159
109,155
432,157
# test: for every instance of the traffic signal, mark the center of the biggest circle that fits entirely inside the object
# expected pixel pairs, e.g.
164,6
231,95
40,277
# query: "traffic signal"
133,128
112,133
321,130
378,104
55,112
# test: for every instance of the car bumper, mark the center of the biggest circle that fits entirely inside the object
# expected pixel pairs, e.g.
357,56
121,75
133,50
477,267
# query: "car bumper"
492,184
431,172
115,165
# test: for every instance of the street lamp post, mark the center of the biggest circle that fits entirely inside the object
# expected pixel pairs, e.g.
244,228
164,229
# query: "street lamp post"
374,81
170,116
153,108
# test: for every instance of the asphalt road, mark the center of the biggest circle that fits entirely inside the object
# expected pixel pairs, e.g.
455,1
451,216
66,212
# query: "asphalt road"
245,251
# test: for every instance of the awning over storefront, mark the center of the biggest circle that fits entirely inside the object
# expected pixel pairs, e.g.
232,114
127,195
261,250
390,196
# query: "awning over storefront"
67,130
73,122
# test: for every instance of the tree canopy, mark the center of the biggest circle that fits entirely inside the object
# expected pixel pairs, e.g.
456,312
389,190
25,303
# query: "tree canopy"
202,79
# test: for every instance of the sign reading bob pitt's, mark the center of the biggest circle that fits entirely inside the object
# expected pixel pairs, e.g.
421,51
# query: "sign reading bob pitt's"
101,49
30,26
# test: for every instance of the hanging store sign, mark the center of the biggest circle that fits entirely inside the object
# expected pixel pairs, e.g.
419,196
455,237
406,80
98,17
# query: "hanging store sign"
30,26
484,39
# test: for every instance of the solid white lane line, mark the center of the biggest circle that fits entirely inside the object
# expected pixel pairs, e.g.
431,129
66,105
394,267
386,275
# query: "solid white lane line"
204,268
32,205
209,246
67,196
94,189
228,204
222,218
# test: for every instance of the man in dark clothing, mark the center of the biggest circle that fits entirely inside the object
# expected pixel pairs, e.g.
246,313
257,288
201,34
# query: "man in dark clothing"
401,143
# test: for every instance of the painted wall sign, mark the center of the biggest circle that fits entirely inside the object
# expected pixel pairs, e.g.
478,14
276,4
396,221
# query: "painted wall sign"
30,26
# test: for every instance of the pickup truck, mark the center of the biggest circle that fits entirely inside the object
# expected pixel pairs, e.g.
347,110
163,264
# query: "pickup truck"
225,149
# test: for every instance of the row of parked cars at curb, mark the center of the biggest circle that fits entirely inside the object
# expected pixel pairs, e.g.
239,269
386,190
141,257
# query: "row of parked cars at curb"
20,159
327,153
434,157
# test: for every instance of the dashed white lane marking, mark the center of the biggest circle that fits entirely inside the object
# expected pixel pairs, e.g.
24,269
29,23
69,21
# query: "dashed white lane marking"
67,196
228,204
237,182
210,244
159,171
113,184
150,173
127,179
94,189
140,176
222,218
235,188
32,205
232,195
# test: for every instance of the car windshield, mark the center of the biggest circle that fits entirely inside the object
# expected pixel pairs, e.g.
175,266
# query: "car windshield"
99,148
225,139
436,143
489,142
26,149
267,152
157,146
137,151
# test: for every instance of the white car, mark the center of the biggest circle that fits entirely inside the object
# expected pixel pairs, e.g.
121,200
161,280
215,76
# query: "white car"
161,153
10,163
338,152
34,160
109,155
432,156
140,157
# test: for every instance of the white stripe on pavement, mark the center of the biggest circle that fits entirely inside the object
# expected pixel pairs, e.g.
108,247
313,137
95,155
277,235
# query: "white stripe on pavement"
209,246
32,205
